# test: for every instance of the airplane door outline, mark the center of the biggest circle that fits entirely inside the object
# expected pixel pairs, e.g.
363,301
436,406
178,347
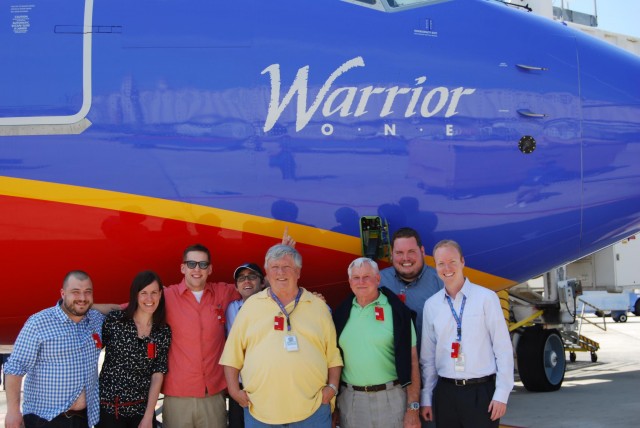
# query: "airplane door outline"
38,125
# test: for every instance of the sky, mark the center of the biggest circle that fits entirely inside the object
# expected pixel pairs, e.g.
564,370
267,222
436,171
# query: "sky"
620,16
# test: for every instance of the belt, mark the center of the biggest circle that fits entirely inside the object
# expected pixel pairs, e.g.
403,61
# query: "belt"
71,413
465,382
118,404
373,388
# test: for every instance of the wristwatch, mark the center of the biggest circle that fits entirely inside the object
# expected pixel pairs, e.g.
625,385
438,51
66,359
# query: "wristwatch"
413,406
335,388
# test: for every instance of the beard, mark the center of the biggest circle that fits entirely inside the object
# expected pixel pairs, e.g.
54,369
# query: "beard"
77,312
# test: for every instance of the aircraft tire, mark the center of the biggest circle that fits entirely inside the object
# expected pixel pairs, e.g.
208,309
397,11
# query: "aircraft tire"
541,359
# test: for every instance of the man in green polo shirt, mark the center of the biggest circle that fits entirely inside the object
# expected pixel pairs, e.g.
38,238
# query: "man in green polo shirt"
381,376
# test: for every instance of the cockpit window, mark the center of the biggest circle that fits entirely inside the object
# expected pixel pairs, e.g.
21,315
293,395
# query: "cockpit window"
393,5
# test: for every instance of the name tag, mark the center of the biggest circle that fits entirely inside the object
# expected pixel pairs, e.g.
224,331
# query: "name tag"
379,313
278,323
290,343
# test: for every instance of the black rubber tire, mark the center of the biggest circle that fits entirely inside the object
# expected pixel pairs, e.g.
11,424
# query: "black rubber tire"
622,318
541,359
572,357
594,357
636,308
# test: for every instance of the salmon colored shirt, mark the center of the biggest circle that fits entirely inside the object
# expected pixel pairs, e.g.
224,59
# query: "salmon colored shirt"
198,331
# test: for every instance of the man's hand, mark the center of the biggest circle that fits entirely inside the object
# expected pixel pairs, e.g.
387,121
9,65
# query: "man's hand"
287,239
13,420
427,413
241,397
411,419
319,296
147,420
335,418
497,409
327,394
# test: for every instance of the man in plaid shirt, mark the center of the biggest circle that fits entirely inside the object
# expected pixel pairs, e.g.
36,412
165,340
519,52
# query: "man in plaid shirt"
57,350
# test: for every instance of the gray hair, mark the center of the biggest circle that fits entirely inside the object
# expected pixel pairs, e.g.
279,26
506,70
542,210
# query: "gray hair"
280,251
359,262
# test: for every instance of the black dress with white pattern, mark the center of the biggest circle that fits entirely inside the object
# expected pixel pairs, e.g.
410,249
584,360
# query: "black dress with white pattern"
127,369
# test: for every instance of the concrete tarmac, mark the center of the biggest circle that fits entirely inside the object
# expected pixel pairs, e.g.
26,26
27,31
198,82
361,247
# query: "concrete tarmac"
593,395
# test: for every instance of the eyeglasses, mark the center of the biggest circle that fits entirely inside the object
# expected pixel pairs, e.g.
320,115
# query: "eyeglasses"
250,277
192,264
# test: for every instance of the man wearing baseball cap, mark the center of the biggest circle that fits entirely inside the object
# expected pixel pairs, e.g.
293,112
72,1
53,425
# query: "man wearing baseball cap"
249,280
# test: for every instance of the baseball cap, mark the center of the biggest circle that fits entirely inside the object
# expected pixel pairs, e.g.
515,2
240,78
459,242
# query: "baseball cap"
251,266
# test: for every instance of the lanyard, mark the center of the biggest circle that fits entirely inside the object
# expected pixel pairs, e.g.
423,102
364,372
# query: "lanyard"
282,309
457,318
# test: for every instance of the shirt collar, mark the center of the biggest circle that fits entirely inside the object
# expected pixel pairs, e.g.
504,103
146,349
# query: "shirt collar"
380,300
464,291
415,281
182,287
63,317
306,295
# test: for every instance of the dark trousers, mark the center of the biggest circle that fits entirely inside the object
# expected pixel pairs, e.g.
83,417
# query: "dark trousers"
108,420
236,414
463,406
61,421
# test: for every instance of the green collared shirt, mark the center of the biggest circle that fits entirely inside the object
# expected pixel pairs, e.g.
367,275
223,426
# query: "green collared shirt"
367,345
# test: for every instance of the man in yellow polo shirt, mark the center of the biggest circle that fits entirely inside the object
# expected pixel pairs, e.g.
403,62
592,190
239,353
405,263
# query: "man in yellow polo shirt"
381,376
283,343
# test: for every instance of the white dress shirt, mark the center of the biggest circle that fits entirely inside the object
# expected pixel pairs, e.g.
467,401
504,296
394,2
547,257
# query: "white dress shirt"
485,343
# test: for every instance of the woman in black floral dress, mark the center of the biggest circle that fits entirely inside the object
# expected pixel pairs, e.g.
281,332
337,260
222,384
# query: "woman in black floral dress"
137,341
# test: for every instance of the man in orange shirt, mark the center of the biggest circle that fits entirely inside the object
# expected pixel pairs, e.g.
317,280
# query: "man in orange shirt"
194,386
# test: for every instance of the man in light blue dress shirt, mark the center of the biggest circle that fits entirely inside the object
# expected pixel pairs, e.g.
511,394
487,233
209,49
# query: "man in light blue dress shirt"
466,358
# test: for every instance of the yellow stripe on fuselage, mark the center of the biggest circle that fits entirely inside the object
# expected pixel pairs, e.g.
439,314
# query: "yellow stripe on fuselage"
200,214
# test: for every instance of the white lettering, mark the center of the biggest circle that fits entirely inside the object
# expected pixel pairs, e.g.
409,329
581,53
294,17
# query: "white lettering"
391,96
444,96
411,108
449,130
389,129
455,99
344,106
299,87
366,93
341,101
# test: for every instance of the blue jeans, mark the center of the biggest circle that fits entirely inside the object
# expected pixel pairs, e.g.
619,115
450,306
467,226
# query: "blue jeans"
320,419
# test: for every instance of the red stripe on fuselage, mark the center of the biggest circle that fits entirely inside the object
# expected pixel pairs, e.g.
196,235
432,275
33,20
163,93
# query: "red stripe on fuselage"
41,241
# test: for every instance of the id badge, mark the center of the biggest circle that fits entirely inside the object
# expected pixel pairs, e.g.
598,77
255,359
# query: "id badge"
459,363
379,311
290,343
96,340
151,350
220,315
278,323
455,349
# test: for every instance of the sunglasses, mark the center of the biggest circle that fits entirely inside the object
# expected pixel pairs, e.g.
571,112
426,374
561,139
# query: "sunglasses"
192,264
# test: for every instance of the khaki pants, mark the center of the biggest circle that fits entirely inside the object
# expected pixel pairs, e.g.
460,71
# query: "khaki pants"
382,409
192,412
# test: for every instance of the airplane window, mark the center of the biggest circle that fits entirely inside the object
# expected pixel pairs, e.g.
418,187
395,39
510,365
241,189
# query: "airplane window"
401,3
393,5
